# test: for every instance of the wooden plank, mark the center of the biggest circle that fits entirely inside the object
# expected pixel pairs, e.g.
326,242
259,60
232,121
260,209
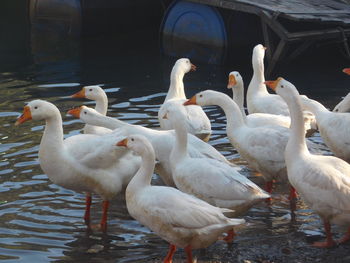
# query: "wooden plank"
295,6
274,24
228,4
328,12
299,10
278,54
268,42
317,34
298,51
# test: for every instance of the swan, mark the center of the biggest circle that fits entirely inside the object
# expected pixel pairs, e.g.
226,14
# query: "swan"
197,121
344,105
97,94
262,147
85,162
214,182
334,127
322,181
179,218
259,100
162,141
255,119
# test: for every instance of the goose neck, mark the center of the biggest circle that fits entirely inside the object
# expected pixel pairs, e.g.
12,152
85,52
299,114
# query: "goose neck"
107,122
53,129
176,88
233,114
256,84
52,140
238,97
258,68
180,148
296,142
143,176
314,106
102,104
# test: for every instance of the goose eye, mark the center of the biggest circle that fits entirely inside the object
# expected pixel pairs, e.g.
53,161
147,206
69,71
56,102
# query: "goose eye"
282,86
85,112
90,89
200,95
132,139
36,107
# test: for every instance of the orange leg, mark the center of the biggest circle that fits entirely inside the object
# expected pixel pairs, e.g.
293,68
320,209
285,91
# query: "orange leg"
268,188
345,238
292,199
230,236
169,256
103,223
329,239
188,250
87,208
293,193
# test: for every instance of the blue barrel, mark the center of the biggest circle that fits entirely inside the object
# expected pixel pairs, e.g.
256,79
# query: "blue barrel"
195,31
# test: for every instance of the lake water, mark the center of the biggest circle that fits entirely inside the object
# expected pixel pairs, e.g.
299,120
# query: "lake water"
43,222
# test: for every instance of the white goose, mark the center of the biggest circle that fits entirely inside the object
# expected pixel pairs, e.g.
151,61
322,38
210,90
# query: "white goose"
181,219
197,121
85,162
214,182
262,147
344,105
235,83
162,141
97,94
322,181
260,100
334,127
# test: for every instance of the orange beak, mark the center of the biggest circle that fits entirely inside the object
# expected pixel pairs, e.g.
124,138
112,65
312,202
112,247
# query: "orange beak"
191,101
80,94
231,81
26,116
75,112
193,67
272,84
123,143
346,71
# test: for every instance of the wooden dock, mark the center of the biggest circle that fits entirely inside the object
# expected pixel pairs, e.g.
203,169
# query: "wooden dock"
331,17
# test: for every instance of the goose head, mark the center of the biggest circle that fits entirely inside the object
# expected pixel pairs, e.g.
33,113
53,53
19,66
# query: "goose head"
184,65
259,52
84,113
90,92
234,78
37,110
203,98
137,143
175,115
344,105
283,88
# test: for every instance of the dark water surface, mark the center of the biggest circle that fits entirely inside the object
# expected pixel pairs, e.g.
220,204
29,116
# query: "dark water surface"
43,222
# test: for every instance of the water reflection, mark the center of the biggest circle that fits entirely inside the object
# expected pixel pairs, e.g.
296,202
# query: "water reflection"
41,222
